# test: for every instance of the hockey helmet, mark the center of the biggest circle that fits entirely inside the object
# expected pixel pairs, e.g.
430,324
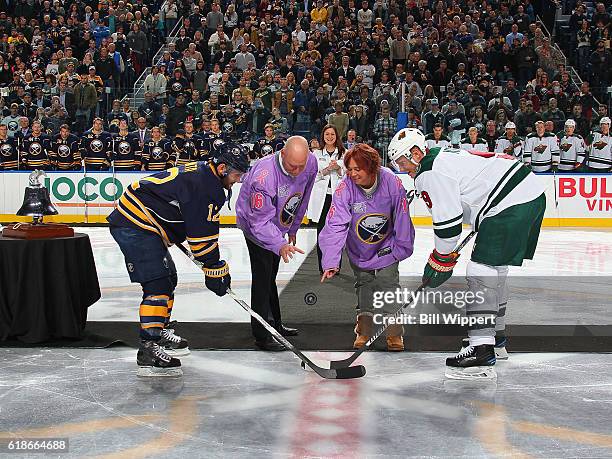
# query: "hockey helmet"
510,125
404,141
570,123
605,120
234,156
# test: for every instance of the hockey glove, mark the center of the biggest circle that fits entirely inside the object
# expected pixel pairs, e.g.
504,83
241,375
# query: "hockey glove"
439,268
217,277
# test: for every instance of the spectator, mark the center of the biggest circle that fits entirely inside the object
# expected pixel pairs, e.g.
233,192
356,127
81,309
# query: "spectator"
384,129
339,119
86,99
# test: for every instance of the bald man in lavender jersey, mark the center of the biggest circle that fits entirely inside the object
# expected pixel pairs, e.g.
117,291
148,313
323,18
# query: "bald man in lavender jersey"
272,202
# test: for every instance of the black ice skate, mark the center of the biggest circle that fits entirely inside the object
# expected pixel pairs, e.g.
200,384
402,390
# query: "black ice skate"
154,361
173,344
473,362
500,347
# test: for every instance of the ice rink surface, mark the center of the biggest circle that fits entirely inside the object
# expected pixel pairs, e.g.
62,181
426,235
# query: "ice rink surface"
232,404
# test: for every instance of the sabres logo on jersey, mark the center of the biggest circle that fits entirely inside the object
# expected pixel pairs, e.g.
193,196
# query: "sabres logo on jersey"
97,146
157,152
63,151
290,208
35,148
267,150
124,148
6,149
228,127
600,144
13,126
177,87
540,148
217,144
372,228
565,146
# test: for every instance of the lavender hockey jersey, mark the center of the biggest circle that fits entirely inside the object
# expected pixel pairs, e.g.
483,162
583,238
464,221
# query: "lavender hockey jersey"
272,203
377,230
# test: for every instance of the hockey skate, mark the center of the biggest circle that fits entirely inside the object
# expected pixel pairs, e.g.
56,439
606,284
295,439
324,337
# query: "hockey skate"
173,344
500,347
473,362
153,361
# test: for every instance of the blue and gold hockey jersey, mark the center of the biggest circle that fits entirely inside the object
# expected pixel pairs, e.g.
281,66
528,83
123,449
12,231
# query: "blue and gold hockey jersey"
177,204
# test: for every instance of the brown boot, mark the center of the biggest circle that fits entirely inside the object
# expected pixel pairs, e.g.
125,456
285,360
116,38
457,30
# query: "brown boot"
363,329
395,339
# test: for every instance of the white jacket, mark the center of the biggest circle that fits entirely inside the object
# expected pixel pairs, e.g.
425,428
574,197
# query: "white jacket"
155,84
319,190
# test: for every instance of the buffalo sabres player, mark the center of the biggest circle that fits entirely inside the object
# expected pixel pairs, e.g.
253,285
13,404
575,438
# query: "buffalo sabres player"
510,143
600,148
369,215
9,153
126,149
268,144
186,146
65,153
182,203
36,149
504,203
96,147
571,147
273,199
156,152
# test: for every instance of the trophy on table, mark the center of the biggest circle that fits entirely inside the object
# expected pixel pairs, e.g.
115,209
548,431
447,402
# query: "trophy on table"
37,204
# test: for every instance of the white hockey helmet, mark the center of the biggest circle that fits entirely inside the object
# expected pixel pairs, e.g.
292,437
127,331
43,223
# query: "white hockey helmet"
403,141
510,125
605,120
570,123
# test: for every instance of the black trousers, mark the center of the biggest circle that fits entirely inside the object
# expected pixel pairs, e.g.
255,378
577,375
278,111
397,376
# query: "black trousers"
264,294
321,224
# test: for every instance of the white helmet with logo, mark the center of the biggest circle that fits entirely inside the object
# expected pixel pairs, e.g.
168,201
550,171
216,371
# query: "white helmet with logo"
605,120
404,141
570,123
510,125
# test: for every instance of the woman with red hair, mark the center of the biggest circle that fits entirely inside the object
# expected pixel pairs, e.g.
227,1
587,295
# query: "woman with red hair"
369,215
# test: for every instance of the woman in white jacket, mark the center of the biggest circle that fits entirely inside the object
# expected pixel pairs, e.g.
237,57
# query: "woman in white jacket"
155,83
331,171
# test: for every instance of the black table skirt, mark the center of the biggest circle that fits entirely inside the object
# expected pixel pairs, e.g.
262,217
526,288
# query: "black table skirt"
46,287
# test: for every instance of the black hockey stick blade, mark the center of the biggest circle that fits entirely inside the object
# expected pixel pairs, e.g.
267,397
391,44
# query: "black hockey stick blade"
338,364
340,373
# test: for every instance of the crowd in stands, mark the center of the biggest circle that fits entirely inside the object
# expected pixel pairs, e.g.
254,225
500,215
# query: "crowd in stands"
260,70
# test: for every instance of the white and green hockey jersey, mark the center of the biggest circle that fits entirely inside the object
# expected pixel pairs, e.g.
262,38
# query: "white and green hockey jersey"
431,142
600,153
511,147
572,149
480,145
541,152
459,187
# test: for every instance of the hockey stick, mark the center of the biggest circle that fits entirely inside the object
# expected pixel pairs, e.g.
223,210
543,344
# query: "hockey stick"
338,364
554,171
345,372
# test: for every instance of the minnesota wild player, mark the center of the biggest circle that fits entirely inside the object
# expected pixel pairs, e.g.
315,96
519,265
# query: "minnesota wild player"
504,203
